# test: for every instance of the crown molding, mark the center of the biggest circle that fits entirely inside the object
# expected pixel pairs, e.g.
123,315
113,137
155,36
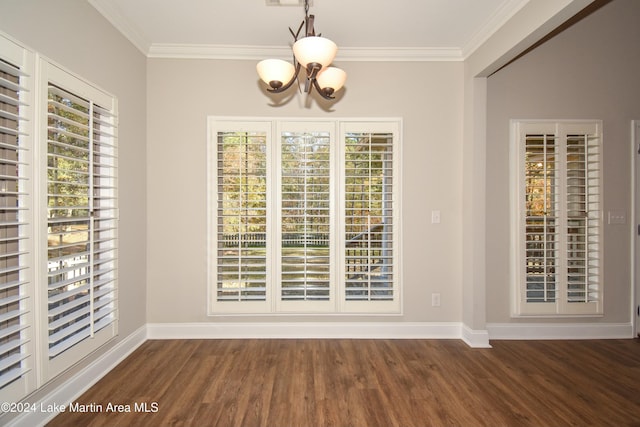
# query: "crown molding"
112,14
502,15
197,51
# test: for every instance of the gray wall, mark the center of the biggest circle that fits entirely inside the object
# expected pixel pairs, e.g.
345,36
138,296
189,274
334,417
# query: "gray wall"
182,93
589,71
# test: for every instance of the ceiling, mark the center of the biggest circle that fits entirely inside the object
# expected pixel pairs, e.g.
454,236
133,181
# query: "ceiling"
450,29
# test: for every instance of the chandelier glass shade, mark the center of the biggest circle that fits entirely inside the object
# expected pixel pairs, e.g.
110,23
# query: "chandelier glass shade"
312,53
315,50
331,79
275,71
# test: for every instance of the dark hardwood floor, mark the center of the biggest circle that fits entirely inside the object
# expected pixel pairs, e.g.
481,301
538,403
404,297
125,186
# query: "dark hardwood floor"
369,383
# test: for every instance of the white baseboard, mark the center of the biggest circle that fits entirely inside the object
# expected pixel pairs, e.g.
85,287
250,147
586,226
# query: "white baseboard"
356,330
559,331
82,381
475,338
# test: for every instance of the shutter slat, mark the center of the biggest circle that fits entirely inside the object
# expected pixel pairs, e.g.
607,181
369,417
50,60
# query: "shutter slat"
66,343
12,101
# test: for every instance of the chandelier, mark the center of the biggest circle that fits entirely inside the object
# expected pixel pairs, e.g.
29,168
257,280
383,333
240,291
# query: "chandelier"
315,54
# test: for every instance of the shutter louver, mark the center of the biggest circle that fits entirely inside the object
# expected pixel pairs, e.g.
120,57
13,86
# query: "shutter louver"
306,222
369,216
15,326
82,215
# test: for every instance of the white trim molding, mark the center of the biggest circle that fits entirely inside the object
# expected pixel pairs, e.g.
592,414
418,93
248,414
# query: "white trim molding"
559,331
256,53
74,387
475,338
317,330
501,16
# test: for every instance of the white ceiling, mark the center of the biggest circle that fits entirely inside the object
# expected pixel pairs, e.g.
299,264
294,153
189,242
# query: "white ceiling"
432,28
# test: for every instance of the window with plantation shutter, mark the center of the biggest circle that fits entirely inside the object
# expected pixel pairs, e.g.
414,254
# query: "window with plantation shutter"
58,219
81,218
559,219
369,235
17,373
304,216
241,216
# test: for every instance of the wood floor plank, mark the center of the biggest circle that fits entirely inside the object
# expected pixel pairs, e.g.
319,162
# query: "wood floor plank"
387,383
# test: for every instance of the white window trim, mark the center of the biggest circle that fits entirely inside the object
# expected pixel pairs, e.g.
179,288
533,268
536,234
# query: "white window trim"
561,308
336,305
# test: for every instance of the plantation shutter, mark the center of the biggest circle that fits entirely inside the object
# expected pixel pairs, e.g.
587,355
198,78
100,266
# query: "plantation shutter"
583,218
561,219
241,190
369,235
305,216
17,377
81,221
542,212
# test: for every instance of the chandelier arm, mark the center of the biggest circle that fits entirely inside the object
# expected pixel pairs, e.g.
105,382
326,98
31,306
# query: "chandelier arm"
288,84
297,33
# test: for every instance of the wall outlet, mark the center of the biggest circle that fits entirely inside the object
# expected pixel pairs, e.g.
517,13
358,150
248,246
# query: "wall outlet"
435,300
435,217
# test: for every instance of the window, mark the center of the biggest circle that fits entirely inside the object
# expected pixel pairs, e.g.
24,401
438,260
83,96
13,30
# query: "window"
78,170
369,197
304,216
58,220
240,186
305,229
558,223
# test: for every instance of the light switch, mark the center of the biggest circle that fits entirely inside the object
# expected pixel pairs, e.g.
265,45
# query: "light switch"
617,217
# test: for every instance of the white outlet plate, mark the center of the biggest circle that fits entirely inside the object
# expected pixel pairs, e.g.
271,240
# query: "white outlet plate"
435,217
435,300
